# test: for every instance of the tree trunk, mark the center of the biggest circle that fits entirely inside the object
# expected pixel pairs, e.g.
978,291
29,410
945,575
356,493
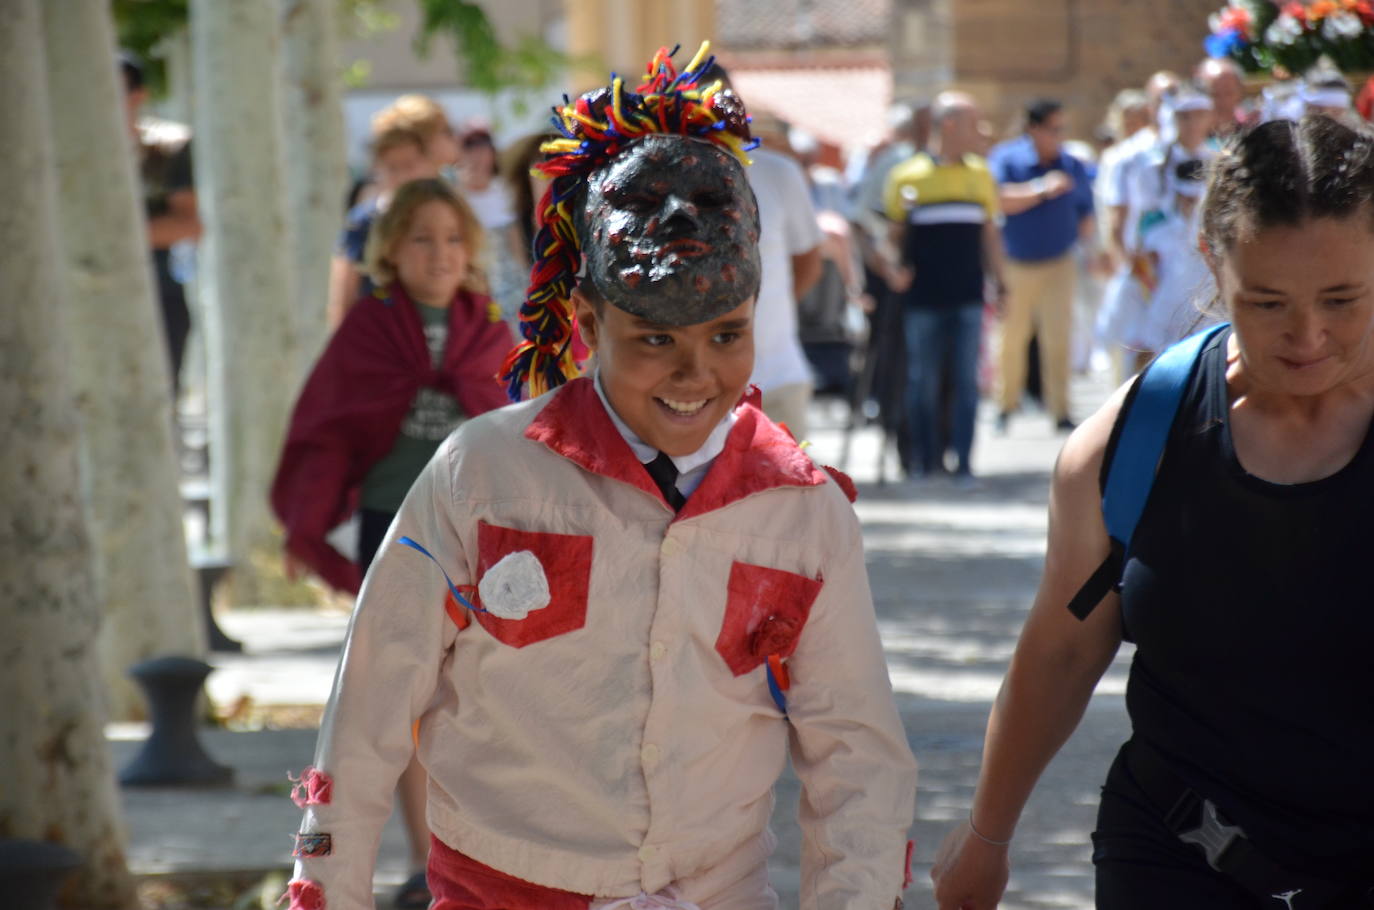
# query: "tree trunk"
120,381
242,206
315,169
58,784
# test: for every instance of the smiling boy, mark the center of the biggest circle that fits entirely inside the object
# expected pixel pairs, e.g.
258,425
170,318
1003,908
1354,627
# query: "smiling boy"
650,596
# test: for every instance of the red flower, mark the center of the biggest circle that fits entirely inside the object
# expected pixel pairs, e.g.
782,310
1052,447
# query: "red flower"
775,635
1235,18
1296,10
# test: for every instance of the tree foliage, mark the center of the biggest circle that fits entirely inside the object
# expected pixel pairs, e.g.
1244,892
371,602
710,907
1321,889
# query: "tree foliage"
142,26
488,65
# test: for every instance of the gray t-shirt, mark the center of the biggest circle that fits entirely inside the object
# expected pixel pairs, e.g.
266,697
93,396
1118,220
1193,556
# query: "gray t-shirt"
432,416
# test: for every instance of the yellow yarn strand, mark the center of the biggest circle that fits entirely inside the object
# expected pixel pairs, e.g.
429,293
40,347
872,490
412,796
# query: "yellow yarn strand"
560,146
701,55
616,85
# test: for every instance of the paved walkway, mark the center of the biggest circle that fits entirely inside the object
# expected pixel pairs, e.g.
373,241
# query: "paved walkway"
952,573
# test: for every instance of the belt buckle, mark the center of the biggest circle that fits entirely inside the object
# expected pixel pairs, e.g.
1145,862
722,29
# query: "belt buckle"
1213,835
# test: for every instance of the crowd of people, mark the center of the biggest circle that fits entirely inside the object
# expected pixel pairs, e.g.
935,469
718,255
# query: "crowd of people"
952,266
594,625
998,268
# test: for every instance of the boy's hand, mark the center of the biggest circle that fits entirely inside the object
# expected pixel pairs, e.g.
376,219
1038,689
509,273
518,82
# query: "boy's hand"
1057,183
969,874
296,570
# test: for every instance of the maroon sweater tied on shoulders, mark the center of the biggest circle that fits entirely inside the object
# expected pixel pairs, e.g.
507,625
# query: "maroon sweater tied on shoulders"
350,411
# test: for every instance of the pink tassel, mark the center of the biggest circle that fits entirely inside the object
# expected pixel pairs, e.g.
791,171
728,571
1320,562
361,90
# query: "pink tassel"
304,895
312,788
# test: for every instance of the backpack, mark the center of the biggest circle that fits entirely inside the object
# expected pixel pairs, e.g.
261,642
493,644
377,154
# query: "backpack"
1141,432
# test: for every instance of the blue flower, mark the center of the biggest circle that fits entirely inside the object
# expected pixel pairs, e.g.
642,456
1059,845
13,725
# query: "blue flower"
1224,44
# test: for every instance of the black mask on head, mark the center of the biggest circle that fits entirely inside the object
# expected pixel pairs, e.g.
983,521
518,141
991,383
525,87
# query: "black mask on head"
670,231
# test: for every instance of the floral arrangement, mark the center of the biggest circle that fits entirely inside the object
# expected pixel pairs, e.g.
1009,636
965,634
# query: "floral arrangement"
1264,36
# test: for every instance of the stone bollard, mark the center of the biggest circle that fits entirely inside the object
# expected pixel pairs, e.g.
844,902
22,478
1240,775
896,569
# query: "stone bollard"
210,568
31,872
172,753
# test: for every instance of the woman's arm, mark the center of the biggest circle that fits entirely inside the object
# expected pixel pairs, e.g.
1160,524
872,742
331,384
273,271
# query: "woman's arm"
1057,663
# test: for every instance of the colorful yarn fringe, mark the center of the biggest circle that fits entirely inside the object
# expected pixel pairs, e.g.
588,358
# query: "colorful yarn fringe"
595,128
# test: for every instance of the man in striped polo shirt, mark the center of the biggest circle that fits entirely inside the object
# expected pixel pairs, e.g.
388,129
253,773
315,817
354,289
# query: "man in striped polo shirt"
943,209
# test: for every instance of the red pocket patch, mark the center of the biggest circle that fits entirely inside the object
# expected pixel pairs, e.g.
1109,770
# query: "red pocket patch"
566,560
765,610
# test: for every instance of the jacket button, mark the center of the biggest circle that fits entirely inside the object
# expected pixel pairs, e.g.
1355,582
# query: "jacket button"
669,547
658,650
646,853
650,754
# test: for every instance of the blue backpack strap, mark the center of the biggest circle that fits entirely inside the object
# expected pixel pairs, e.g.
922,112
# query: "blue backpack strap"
1144,429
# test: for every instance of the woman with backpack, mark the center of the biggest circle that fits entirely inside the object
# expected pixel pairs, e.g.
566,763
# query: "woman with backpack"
1246,782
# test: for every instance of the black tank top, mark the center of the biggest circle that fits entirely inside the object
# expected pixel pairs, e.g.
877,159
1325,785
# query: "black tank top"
1252,607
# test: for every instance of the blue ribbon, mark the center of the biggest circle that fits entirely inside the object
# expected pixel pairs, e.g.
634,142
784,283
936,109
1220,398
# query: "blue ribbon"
453,589
774,689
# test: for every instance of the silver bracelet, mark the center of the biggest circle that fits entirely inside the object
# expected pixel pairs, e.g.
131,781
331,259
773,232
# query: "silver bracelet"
983,837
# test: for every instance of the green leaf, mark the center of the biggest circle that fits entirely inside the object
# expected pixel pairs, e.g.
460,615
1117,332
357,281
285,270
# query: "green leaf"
142,27
486,64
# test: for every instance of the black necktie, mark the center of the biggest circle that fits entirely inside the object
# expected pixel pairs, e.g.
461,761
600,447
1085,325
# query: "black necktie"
664,473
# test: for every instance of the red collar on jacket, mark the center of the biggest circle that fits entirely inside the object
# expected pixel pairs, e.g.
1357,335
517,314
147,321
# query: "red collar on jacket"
759,455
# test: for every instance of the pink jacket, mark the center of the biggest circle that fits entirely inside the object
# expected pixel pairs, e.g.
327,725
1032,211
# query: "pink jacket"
622,735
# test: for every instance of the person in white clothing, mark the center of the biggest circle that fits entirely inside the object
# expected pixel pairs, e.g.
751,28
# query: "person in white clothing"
1185,283
1155,195
507,260
1145,178
605,618
1328,95
1123,297
790,249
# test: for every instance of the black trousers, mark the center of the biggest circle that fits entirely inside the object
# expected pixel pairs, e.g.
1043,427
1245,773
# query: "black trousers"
1142,865
372,528
176,316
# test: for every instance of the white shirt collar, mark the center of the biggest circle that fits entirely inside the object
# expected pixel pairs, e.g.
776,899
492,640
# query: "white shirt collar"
693,463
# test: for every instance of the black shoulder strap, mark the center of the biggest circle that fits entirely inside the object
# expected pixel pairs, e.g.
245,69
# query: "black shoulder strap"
1101,583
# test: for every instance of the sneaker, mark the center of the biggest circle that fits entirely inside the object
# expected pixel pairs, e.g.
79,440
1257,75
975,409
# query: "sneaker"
917,480
1003,419
964,480
1065,425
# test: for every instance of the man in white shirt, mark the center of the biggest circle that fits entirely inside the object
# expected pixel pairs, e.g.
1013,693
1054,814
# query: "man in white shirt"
790,250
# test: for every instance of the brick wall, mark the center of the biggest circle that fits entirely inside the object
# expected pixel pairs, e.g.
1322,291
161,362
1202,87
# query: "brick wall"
1007,52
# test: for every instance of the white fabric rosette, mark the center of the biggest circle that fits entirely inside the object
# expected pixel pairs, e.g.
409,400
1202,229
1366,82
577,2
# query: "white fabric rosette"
515,587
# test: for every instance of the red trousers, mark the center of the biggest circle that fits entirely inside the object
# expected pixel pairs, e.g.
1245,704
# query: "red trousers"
458,882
